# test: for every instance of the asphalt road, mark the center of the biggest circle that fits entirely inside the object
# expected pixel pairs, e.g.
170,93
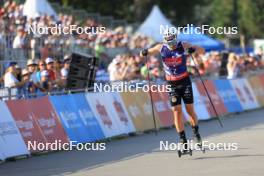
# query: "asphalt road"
140,155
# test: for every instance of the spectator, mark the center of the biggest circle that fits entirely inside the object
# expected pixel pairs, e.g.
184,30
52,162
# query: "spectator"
28,88
50,68
232,66
10,80
132,69
154,70
115,70
66,67
57,69
41,67
19,41
32,69
18,72
45,83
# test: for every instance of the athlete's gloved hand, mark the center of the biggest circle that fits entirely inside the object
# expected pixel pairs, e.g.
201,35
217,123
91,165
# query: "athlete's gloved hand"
144,52
191,50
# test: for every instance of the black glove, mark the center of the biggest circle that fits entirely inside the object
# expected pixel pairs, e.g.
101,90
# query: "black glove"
191,50
144,52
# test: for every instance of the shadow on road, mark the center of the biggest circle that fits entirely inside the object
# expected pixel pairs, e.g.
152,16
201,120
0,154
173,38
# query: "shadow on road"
228,156
119,150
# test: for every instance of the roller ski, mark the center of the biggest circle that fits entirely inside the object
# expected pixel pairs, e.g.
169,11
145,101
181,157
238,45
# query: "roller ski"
185,148
197,138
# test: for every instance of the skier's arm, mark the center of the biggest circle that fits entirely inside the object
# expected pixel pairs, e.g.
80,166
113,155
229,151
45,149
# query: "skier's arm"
193,48
151,51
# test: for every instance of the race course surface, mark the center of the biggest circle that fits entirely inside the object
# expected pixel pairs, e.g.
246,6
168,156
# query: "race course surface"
140,155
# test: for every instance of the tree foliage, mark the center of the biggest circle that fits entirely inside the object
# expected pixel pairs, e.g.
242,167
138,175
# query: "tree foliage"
246,14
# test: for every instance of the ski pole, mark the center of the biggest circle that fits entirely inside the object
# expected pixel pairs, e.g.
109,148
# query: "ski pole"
151,99
207,93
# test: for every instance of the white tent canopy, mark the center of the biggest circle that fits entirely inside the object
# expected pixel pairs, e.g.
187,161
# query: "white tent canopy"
35,8
151,26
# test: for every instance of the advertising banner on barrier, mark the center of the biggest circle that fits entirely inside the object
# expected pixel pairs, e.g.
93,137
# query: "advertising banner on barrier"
11,141
68,113
144,101
26,122
87,116
162,108
216,99
261,77
135,111
47,120
121,112
228,95
199,104
165,98
244,93
255,82
101,106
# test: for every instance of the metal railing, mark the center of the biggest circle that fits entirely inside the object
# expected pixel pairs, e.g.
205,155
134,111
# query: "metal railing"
14,93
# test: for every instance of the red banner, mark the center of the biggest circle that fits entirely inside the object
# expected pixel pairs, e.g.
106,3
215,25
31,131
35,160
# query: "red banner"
48,120
216,99
25,121
162,108
37,121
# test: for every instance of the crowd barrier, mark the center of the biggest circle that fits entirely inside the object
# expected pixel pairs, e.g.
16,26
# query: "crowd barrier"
88,117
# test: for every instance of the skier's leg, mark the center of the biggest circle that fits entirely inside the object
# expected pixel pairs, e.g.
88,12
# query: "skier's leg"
188,101
179,125
178,121
193,117
194,122
175,101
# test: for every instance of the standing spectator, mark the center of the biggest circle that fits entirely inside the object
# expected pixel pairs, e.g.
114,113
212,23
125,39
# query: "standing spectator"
154,69
41,67
45,84
28,88
57,69
50,68
10,80
66,67
32,69
19,41
115,70
232,66
18,72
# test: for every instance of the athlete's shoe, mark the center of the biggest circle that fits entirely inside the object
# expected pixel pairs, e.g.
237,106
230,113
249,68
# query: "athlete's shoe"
196,135
198,138
183,141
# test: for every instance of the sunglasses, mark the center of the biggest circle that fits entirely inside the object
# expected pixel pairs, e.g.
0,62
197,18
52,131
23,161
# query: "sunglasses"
171,42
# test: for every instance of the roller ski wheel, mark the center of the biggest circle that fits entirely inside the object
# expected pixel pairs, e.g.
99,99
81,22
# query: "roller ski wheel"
198,141
184,152
201,147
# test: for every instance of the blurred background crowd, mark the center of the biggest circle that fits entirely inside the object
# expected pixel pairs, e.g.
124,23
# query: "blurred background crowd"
41,61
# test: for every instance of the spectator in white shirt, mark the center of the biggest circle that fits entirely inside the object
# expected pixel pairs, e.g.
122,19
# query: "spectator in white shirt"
19,41
32,68
66,67
10,80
